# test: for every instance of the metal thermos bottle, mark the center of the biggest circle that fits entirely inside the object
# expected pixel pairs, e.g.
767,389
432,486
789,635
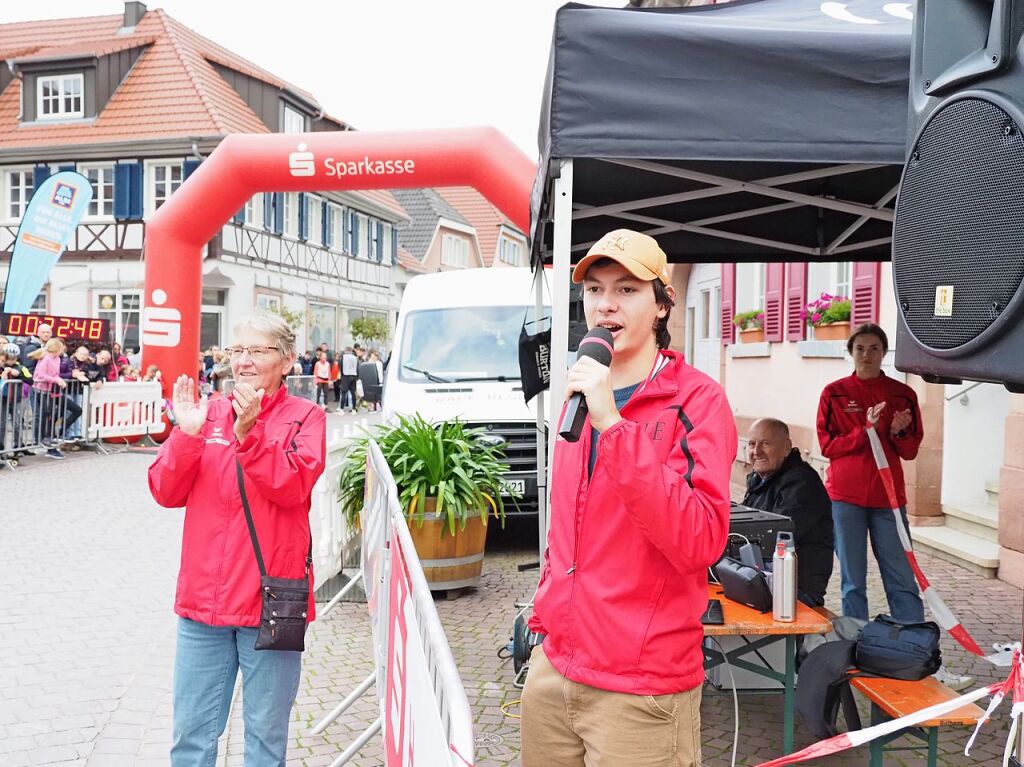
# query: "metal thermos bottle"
784,583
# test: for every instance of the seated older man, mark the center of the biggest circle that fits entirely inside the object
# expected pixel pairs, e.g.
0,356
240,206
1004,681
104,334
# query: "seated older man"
783,483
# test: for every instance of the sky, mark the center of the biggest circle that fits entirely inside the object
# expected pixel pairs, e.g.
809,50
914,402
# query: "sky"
379,64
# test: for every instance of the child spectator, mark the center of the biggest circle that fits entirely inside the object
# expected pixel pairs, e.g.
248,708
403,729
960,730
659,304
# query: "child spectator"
152,373
322,377
13,377
53,405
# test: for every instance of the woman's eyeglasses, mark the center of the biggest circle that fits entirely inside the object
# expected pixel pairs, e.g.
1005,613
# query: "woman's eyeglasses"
255,352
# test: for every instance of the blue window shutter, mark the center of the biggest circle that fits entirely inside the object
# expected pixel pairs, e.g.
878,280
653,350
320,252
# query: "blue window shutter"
278,212
122,190
189,167
303,216
394,246
239,217
135,174
39,174
63,168
355,232
325,223
380,241
346,240
268,211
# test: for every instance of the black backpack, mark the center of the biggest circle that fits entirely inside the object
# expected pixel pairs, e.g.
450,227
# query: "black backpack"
898,650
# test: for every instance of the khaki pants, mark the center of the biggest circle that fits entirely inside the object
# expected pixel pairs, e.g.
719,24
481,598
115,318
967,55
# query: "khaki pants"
567,724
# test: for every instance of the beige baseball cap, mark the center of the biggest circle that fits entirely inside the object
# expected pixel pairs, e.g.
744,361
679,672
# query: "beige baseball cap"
639,253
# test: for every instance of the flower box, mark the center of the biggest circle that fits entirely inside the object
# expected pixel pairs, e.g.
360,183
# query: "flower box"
752,336
832,331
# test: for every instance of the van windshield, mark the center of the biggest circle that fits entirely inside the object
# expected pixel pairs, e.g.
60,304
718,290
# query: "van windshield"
475,342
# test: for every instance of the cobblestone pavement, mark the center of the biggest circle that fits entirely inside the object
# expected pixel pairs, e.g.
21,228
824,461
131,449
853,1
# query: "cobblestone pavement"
87,637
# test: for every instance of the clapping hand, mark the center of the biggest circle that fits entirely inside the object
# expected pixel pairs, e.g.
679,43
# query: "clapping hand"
189,414
875,412
900,421
247,402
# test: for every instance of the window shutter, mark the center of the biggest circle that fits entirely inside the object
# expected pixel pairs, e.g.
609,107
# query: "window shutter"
394,246
278,213
64,168
135,196
189,167
728,300
796,301
355,232
380,242
303,216
122,191
268,211
774,275
345,241
239,217
325,223
865,292
39,174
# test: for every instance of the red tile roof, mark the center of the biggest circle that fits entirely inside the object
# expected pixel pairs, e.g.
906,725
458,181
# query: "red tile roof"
410,262
482,216
173,90
77,50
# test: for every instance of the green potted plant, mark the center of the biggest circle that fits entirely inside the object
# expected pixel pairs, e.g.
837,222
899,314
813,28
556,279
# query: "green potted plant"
751,325
449,479
830,317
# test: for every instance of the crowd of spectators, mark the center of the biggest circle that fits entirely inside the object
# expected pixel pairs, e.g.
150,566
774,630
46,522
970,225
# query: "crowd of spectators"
353,375
43,383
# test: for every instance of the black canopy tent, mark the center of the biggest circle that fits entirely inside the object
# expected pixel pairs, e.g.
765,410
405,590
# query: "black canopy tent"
758,130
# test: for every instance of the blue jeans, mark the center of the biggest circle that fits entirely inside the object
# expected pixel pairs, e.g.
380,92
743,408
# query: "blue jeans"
205,667
853,524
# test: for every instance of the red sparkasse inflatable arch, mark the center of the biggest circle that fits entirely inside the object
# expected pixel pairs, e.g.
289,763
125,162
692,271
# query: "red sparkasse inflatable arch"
245,164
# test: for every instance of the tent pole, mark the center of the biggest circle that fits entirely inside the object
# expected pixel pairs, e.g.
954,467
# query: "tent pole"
562,244
542,468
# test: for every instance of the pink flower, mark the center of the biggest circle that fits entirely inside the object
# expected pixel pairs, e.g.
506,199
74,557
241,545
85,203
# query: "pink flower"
815,317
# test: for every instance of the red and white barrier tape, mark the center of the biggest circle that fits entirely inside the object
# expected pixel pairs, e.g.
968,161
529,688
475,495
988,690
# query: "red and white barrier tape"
943,615
1014,684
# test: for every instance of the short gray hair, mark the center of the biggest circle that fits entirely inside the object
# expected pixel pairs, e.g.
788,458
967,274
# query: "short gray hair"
271,325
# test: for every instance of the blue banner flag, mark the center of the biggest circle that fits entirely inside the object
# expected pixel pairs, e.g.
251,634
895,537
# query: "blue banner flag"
46,228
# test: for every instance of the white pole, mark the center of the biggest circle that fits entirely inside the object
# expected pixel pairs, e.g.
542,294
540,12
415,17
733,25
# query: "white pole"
542,468
562,245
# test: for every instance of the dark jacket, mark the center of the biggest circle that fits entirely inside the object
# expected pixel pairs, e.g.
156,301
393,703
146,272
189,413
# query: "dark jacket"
796,491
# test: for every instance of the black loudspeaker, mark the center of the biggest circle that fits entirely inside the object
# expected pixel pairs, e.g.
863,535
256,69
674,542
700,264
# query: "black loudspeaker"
958,237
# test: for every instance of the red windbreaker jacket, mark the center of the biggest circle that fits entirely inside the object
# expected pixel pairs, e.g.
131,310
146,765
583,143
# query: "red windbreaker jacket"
624,582
282,456
842,417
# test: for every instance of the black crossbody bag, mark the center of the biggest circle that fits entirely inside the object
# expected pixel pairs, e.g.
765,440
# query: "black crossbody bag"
285,600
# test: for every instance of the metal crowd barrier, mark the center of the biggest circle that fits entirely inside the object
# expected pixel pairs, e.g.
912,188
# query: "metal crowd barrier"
34,419
125,409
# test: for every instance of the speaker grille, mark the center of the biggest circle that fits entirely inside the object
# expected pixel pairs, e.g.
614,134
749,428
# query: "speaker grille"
960,222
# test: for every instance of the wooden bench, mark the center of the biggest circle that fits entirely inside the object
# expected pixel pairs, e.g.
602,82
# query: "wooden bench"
893,698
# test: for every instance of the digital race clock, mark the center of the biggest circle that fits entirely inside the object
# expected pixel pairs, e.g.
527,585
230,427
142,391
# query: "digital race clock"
86,328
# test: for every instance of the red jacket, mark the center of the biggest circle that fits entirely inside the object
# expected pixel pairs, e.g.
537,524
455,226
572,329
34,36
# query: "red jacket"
842,415
624,582
282,456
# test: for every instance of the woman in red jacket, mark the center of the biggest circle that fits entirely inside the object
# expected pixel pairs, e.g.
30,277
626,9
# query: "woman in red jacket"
278,440
860,506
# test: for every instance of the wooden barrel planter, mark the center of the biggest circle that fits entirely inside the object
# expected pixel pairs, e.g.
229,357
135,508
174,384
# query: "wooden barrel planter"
449,561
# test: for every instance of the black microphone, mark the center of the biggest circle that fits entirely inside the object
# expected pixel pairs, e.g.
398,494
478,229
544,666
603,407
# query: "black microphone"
599,345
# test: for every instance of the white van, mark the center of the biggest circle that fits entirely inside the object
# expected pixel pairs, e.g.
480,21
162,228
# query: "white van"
456,355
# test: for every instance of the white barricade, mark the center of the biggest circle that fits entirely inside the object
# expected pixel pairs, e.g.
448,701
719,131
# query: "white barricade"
424,712
125,409
336,541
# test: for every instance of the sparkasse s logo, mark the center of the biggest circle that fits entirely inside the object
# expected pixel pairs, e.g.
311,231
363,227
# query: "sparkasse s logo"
302,163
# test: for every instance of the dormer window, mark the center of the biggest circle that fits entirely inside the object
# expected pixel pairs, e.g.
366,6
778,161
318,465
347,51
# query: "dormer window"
60,97
292,120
